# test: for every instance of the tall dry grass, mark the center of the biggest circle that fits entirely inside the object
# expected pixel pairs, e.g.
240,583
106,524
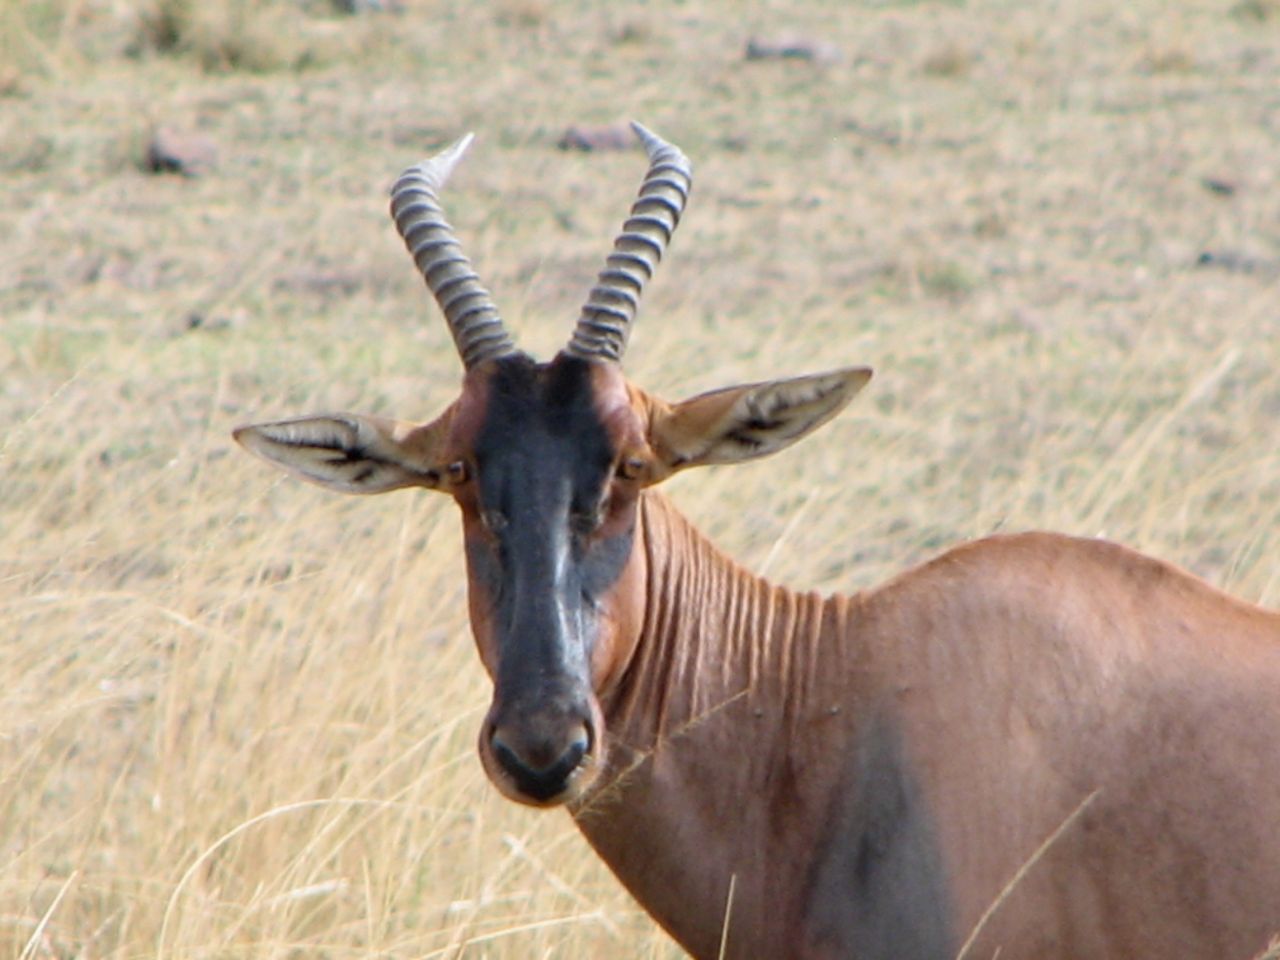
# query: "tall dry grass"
236,714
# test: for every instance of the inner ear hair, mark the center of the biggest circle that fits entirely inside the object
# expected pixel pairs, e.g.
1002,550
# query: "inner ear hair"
752,420
350,453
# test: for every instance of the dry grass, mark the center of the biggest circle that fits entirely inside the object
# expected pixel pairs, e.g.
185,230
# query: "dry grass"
236,715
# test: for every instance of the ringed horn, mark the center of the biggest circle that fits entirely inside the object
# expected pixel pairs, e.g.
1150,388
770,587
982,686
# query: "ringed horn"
606,318
478,330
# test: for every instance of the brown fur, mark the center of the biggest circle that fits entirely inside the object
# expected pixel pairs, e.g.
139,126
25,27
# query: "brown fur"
1017,675
1033,746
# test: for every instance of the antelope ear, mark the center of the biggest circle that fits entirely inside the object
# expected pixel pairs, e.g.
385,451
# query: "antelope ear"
755,420
351,453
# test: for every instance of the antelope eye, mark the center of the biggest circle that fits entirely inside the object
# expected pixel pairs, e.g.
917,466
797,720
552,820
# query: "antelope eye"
631,468
457,472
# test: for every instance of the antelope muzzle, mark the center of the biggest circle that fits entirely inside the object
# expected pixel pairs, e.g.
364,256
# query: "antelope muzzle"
543,749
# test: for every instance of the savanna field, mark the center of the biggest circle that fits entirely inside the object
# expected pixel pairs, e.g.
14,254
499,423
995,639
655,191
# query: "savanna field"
237,713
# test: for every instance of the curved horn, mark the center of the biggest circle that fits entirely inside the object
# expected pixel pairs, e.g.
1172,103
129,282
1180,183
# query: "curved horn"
606,318
473,319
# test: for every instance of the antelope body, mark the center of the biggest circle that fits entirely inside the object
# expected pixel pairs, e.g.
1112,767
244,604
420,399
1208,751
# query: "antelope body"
1034,746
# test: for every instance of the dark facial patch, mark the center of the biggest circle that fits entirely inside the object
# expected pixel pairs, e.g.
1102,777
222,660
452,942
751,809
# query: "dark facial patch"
544,465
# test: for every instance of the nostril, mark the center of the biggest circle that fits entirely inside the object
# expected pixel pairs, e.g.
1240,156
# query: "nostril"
584,737
578,749
539,753
506,756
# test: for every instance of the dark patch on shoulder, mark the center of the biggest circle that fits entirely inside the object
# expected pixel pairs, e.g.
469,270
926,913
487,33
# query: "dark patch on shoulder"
878,891
782,788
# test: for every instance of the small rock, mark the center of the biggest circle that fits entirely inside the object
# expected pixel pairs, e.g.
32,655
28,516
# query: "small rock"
368,6
1234,261
1219,185
793,48
199,320
172,151
606,136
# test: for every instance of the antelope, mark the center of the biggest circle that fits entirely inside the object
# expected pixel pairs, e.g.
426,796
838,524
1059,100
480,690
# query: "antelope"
1034,745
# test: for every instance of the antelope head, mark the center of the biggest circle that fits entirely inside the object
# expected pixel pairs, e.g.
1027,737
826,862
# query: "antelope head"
547,462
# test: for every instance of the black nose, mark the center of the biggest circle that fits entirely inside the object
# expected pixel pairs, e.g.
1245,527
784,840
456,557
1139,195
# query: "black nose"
540,757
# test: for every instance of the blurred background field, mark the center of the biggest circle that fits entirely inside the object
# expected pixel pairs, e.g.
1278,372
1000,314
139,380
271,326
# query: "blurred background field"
236,713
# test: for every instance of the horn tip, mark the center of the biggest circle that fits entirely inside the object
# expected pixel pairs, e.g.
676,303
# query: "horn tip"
453,153
448,158
659,149
647,136
434,170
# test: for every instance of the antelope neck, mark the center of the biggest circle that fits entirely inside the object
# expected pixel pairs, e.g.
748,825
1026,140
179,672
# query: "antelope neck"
718,707
714,634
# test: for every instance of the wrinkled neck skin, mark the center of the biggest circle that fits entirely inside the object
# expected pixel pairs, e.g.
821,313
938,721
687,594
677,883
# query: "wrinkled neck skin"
716,758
